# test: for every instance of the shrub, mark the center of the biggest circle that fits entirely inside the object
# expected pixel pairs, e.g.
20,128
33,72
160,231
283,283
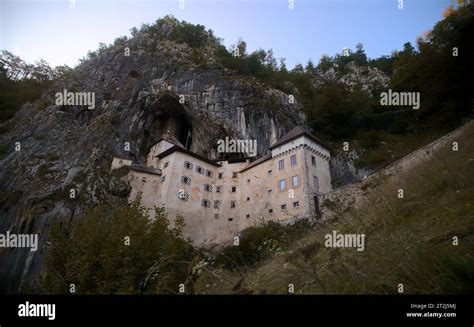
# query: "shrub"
258,243
93,253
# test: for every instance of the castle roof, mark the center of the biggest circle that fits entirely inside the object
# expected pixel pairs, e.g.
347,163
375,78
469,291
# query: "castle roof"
145,169
295,133
181,149
290,136
266,157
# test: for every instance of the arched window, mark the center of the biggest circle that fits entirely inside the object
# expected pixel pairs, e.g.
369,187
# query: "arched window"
183,196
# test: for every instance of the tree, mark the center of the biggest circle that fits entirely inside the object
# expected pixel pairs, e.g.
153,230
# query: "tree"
298,69
241,47
359,56
310,69
282,66
118,250
325,63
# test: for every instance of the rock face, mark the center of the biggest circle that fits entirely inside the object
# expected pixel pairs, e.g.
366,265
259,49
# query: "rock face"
344,169
370,79
157,88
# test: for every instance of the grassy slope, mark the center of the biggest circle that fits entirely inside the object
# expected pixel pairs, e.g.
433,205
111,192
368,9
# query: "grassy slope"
408,241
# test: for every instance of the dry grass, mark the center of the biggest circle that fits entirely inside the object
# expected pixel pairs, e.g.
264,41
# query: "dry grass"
408,241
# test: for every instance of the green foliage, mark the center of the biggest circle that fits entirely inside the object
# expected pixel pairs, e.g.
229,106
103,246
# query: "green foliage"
194,35
21,82
92,253
257,243
339,113
370,139
384,63
444,80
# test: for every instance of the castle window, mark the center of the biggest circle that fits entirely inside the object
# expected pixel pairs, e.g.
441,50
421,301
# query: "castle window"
248,199
232,204
230,219
247,216
269,191
294,181
316,183
282,184
144,179
183,195
188,165
234,175
218,189
208,173
166,164
199,169
207,187
248,180
217,204
216,216
185,180
293,160
270,210
283,206
281,164
296,204
205,203
269,172
234,189
162,178
221,175
313,160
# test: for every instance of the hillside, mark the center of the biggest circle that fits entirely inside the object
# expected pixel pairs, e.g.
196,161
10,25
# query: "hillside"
423,240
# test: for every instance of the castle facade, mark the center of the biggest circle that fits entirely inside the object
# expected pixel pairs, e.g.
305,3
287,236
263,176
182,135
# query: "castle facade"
219,199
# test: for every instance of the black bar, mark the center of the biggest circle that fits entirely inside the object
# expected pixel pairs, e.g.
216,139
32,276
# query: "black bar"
310,310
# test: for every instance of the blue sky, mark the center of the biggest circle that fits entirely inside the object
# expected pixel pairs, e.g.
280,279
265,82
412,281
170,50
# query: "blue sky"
52,30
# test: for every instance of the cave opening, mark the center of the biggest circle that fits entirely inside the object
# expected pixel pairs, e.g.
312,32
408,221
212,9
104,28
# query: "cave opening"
168,120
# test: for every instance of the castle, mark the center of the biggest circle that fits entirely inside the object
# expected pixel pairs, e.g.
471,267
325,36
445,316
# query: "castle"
219,199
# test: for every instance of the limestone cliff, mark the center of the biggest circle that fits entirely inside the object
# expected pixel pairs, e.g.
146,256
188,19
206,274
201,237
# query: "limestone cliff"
137,99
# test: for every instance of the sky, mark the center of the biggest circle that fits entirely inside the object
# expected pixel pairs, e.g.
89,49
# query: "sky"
62,31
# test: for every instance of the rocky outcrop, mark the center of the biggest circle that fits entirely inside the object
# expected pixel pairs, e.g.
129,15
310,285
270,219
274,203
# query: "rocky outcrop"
369,79
344,169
